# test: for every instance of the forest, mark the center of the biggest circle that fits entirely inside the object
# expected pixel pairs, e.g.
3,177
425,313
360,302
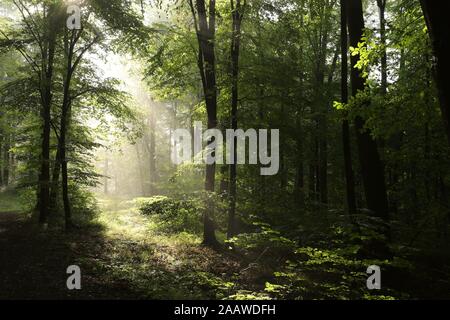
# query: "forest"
224,149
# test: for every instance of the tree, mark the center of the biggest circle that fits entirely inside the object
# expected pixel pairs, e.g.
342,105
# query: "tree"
349,177
72,61
382,13
205,27
372,170
439,30
44,37
237,15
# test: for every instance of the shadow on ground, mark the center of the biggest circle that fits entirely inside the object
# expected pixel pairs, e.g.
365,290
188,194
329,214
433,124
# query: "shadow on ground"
119,259
34,263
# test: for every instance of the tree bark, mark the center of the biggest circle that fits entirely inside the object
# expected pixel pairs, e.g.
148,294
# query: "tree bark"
1,157
438,24
382,10
6,159
65,121
299,174
55,178
48,57
349,176
205,29
235,47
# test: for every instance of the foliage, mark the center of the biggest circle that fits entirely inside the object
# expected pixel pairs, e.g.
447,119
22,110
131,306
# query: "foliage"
173,215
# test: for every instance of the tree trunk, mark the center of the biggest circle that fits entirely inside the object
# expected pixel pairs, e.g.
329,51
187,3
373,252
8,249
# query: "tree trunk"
152,153
224,174
6,159
235,47
349,177
105,174
46,96
205,29
439,29
48,57
141,173
372,170
64,125
299,174
382,9
55,178
1,157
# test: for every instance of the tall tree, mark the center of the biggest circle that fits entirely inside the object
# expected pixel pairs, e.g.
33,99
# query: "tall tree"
237,15
205,27
439,29
72,59
349,176
372,170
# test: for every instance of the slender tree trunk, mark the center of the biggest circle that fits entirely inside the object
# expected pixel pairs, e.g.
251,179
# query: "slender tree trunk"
55,179
299,174
322,106
105,174
65,180
349,177
6,159
152,153
64,125
299,184
1,157
323,131
48,57
141,173
235,47
312,178
372,170
224,174
438,23
382,9
13,167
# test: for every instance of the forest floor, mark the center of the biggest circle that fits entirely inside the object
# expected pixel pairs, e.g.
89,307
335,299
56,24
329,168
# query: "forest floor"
122,256
125,255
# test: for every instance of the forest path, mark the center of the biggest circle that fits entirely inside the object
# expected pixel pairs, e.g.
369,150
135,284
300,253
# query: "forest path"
123,256
160,265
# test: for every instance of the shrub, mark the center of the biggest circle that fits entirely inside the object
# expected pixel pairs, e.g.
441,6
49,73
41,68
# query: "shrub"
173,215
157,205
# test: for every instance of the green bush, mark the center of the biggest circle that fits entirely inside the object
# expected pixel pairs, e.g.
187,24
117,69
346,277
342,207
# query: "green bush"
173,215
157,205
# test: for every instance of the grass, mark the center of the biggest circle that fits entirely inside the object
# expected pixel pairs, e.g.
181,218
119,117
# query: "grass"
157,264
